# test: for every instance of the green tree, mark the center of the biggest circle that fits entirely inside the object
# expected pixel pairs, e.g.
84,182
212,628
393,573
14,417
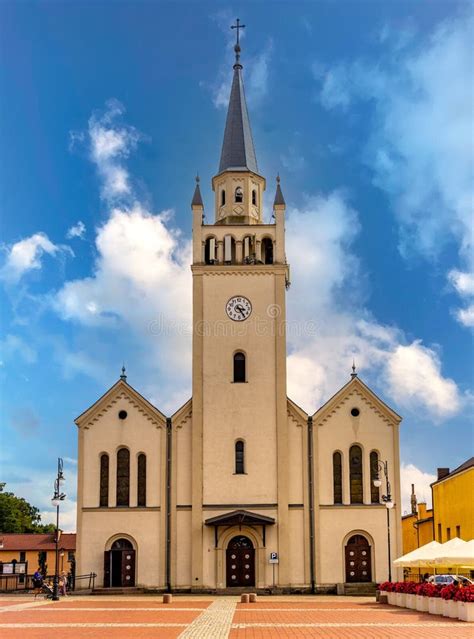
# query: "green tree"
19,516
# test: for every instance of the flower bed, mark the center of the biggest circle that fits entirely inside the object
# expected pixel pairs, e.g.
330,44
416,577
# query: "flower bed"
465,598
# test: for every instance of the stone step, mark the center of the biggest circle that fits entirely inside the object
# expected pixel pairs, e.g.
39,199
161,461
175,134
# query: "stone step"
117,591
362,589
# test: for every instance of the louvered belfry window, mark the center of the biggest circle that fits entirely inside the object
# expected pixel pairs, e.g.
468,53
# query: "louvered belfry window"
123,477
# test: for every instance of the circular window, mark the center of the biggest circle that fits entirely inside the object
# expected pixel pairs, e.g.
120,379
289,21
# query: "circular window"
355,412
122,414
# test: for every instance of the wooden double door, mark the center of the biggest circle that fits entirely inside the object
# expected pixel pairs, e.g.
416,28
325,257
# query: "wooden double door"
240,563
119,565
358,560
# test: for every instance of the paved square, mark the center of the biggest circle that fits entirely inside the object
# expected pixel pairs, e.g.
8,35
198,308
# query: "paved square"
146,617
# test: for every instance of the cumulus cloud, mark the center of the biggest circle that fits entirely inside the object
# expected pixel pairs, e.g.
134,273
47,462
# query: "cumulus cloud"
76,230
420,147
328,289
411,474
27,255
463,283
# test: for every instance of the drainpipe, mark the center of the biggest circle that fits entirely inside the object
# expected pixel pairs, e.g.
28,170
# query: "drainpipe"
168,503
311,505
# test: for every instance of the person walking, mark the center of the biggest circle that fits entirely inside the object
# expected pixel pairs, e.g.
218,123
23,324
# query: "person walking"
63,584
37,582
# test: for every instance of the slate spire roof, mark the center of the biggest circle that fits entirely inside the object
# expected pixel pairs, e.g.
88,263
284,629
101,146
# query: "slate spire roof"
238,151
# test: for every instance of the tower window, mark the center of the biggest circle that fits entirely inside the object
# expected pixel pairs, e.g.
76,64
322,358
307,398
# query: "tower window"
239,368
239,457
355,470
239,194
337,477
210,250
222,197
254,197
104,481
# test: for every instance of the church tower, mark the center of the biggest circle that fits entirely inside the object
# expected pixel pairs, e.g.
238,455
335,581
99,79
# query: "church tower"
239,405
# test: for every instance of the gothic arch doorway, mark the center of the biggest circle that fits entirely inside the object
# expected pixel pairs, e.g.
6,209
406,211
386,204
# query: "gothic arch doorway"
119,564
358,559
240,562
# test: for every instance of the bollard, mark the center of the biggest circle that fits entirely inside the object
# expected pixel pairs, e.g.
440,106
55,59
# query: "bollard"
167,599
244,598
253,597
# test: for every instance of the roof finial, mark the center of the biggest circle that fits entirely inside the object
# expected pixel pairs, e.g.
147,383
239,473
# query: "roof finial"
237,26
123,376
198,179
354,373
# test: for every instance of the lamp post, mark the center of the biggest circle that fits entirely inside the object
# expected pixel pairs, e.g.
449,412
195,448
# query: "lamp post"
58,497
387,499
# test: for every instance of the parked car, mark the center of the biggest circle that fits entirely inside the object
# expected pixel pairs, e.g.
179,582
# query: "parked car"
447,580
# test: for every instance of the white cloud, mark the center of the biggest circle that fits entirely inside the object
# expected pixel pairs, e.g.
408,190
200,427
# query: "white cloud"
420,148
410,474
77,230
14,346
327,288
464,285
26,255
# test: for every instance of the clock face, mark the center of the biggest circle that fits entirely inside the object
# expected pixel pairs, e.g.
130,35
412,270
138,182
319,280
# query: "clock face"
238,308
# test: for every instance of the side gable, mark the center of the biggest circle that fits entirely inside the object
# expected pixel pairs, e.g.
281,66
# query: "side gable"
296,413
355,388
183,414
121,390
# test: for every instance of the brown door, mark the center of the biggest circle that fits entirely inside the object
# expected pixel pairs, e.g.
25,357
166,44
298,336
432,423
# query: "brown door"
240,562
358,564
128,567
107,560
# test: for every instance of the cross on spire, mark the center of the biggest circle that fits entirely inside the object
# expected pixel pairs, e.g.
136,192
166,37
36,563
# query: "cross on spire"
237,26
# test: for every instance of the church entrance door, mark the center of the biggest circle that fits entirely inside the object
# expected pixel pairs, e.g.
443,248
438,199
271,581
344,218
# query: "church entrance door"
119,565
240,562
358,562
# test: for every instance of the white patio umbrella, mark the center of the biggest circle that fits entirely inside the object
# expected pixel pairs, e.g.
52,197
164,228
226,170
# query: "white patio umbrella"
456,552
423,556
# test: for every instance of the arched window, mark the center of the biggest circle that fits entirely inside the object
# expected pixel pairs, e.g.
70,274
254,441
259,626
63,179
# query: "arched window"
239,368
267,250
104,481
337,477
355,470
123,477
239,457
222,197
374,473
141,480
239,194
254,197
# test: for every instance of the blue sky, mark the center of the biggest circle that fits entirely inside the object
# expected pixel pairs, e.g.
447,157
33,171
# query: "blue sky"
108,111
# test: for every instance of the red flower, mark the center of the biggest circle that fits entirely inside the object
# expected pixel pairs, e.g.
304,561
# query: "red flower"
448,592
465,593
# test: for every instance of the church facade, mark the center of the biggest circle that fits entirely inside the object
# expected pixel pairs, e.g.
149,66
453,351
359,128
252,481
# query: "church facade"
240,488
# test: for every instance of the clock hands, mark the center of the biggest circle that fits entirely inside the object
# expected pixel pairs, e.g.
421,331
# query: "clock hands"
240,309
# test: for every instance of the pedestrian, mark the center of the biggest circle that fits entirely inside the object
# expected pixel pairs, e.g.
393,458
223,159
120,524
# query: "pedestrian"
37,582
63,584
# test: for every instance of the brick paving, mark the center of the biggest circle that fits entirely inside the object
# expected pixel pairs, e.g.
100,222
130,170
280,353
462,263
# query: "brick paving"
188,617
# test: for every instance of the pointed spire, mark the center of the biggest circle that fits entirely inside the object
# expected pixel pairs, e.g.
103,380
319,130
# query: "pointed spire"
279,199
123,377
197,199
354,372
238,152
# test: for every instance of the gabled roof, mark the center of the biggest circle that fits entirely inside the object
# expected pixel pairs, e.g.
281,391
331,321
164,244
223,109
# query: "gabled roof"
238,517
119,390
356,385
296,412
37,541
182,414
238,152
469,463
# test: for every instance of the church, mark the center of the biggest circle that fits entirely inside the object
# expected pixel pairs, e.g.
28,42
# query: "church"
239,488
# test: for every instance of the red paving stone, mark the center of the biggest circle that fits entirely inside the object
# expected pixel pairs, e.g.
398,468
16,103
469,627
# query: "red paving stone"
102,602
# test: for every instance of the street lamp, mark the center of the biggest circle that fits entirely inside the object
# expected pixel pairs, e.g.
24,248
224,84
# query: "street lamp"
389,504
58,497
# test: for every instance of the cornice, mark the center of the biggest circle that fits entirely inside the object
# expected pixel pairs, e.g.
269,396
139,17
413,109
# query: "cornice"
239,269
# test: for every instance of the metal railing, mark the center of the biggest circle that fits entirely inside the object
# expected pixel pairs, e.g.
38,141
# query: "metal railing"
21,582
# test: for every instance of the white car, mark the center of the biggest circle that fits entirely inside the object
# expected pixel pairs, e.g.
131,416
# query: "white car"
447,580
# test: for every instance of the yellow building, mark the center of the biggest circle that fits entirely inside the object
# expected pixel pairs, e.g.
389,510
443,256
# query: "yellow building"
37,550
417,528
453,502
